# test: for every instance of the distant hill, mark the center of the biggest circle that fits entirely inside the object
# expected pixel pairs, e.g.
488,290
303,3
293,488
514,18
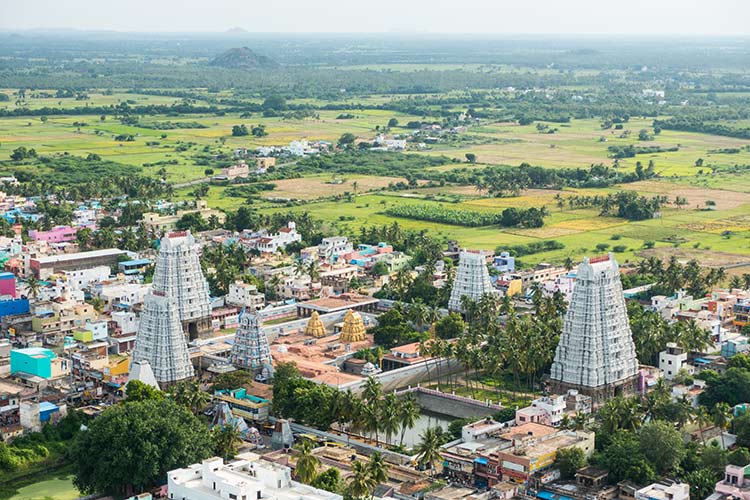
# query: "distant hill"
243,58
236,31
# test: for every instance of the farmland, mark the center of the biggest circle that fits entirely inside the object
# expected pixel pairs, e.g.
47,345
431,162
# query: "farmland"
494,112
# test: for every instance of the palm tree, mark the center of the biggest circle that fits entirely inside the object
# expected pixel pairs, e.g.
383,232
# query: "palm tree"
34,286
227,440
418,314
722,415
735,282
307,464
373,390
313,271
389,416
98,304
188,393
408,415
361,484
568,263
702,419
371,422
428,449
377,469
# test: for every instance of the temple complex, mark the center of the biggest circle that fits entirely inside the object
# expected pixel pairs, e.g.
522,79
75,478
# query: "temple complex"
161,341
472,279
250,350
315,327
353,329
178,275
596,354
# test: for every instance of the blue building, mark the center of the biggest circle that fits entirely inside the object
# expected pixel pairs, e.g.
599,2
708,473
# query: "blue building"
13,307
133,266
504,263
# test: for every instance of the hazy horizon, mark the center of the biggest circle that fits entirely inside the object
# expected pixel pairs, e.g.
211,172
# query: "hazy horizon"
480,17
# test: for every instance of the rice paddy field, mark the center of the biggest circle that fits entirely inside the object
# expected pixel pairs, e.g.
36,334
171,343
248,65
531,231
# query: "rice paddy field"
720,235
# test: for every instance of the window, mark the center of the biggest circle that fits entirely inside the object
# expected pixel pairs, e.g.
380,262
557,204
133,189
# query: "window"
233,496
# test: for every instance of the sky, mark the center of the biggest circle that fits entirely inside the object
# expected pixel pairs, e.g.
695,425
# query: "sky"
632,17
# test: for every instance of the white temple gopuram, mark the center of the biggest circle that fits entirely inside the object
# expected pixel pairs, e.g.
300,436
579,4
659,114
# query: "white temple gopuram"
596,354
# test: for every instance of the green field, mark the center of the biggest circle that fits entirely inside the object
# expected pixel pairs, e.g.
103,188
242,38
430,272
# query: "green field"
57,486
720,235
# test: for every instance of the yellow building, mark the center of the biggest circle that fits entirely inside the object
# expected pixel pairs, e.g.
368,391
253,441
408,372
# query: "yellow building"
354,328
315,327
118,366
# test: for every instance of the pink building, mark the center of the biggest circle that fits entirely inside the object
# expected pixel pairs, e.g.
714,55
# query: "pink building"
736,483
8,284
57,234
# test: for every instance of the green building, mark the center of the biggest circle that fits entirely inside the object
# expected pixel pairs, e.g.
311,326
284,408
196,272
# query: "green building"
32,360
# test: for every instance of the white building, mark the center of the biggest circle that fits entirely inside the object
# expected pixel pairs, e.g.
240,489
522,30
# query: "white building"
84,216
81,278
667,490
596,354
178,275
98,329
129,294
161,341
247,478
472,279
547,410
672,360
243,294
330,248
480,429
273,242
126,321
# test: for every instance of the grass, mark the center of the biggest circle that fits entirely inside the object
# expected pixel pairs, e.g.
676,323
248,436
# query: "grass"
575,144
57,485
580,230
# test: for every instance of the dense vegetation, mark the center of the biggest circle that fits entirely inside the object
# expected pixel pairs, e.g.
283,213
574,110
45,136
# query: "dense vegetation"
510,217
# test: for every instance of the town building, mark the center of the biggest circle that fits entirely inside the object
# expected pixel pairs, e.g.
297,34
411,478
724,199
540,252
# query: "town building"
238,171
472,279
249,477
8,285
164,223
276,241
541,273
596,354
242,294
81,278
38,362
36,414
735,485
44,267
332,247
547,410
178,275
245,405
133,267
57,234
672,360
263,163
666,490
504,263
161,341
